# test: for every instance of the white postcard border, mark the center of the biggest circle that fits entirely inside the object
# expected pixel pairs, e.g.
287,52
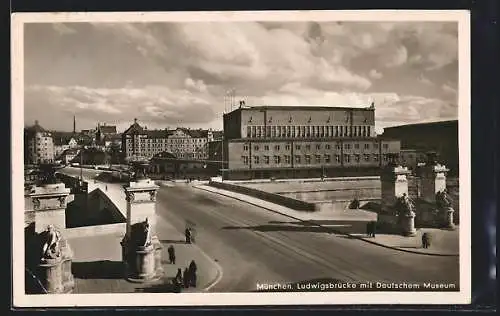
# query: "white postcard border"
20,299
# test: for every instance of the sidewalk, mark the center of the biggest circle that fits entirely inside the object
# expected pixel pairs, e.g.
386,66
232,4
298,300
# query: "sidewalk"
99,269
444,243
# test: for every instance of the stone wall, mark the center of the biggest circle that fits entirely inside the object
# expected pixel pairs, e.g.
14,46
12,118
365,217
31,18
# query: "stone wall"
270,197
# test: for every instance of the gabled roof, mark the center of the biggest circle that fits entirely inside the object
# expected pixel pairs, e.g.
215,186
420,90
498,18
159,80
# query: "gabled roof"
134,128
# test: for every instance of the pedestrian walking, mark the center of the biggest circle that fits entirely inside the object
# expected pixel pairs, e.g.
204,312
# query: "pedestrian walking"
373,228
186,278
425,241
106,187
192,273
171,254
177,281
369,229
187,234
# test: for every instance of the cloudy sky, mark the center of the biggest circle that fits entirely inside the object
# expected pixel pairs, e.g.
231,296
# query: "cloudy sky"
176,74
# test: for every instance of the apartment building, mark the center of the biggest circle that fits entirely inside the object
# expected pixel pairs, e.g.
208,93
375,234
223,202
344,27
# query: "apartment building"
38,145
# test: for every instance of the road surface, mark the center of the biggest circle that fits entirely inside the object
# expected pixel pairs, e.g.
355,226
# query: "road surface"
255,246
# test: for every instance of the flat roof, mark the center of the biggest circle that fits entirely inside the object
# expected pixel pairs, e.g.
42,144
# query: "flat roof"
304,107
325,139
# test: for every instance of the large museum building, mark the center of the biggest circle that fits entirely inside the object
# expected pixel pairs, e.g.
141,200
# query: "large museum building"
301,142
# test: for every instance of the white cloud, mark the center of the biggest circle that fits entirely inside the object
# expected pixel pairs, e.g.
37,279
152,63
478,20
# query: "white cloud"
397,58
178,72
375,74
424,80
448,89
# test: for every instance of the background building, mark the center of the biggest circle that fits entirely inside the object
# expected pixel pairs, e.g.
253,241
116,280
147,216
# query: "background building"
301,142
182,143
63,141
441,137
38,145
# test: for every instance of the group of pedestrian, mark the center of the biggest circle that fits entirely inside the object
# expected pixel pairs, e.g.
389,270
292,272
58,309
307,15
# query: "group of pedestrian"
371,228
426,240
186,278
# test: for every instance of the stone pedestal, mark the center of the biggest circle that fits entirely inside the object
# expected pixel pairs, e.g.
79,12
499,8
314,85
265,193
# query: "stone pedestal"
433,181
142,263
49,206
394,184
55,274
50,275
447,218
407,222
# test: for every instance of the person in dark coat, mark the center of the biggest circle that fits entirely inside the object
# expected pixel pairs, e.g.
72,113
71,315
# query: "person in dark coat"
373,228
185,278
192,273
426,242
369,229
177,281
187,233
171,254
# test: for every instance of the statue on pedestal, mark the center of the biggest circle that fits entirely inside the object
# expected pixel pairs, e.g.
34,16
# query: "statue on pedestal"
140,235
47,173
405,210
139,169
444,209
443,200
404,206
142,259
51,248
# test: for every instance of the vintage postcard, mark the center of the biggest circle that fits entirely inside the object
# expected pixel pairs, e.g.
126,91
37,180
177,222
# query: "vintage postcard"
241,158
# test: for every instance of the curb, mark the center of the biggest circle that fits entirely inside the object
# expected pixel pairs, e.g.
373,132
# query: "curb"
218,267
334,230
219,275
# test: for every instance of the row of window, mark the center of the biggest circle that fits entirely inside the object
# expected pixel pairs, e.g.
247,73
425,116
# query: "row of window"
171,140
308,131
318,146
317,159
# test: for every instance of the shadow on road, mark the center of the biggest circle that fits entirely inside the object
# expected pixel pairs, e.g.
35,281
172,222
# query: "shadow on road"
165,287
271,228
172,241
103,269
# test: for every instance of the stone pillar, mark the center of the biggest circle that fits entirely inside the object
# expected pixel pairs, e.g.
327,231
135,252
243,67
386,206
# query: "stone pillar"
433,181
142,262
394,184
49,206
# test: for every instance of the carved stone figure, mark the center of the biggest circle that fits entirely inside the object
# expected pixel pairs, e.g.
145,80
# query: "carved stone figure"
51,248
443,200
139,169
405,206
47,173
141,234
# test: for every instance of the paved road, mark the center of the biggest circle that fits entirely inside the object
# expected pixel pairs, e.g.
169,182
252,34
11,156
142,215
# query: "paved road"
254,246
